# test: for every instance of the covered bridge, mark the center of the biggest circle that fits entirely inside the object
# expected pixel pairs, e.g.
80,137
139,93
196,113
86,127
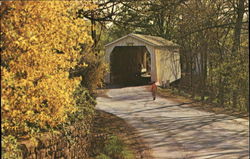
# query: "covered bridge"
137,57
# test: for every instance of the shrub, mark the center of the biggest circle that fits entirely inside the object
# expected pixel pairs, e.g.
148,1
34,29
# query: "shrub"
115,148
40,43
102,156
10,148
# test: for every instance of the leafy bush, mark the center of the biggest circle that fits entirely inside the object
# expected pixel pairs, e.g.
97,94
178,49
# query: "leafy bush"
38,49
40,43
115,148
92,76
9,148
103,156
84,104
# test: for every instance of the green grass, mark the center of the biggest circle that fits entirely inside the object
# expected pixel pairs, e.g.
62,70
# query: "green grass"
115,148
102,156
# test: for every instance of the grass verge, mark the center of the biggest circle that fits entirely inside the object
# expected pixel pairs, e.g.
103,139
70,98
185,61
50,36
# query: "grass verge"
182,97
113,138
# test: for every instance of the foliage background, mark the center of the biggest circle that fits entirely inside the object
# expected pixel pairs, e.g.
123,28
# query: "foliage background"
213,36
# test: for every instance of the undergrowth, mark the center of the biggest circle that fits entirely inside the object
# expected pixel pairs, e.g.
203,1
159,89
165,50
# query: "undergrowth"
115,148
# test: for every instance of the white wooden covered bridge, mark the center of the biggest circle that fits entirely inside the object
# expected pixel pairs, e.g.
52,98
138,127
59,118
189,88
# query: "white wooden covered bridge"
136,54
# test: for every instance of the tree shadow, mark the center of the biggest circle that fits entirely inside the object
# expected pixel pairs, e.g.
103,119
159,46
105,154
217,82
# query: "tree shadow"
199,134
209,134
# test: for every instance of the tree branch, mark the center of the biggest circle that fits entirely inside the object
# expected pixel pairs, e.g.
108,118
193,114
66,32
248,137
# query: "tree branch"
210,27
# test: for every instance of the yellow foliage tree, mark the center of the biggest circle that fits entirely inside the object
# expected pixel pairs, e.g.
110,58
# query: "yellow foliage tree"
40,43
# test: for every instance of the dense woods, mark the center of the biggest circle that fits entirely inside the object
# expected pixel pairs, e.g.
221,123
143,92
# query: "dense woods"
213,36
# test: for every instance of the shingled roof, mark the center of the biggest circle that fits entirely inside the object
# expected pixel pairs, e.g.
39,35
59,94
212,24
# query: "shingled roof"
151,40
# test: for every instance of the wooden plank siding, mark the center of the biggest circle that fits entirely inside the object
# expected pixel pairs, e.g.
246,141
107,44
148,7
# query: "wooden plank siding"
165,60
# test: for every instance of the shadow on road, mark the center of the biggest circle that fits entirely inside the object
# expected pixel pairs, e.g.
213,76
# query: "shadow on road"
177,127
196,133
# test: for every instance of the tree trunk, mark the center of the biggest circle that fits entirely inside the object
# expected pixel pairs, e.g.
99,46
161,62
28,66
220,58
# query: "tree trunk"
238,26
236,40
202,72
93,30
205,73
221,92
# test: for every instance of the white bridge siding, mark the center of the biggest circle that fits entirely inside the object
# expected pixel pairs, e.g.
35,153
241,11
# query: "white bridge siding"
168,64
165,60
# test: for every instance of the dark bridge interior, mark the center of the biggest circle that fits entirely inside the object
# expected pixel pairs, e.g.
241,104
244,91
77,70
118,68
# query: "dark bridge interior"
130,65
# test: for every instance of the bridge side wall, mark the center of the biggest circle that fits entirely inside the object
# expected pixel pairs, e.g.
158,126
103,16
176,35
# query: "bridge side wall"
168,64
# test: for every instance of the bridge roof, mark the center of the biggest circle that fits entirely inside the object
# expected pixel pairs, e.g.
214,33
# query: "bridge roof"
151,40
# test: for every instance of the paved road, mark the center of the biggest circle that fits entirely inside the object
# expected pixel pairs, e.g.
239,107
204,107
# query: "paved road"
175,130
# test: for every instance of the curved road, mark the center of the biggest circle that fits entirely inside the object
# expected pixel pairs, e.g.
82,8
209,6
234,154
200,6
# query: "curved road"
176,131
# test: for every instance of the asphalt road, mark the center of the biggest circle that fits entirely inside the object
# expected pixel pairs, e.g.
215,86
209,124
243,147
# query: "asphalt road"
175,130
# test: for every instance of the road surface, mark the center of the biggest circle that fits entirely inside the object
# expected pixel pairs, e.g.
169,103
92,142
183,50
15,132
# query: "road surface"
175,130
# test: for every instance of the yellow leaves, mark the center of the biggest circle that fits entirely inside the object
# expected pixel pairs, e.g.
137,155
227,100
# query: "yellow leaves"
36,88
30,113
83,65
5,107
15,112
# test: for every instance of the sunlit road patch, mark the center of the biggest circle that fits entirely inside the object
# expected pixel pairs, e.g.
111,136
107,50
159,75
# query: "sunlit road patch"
175,130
